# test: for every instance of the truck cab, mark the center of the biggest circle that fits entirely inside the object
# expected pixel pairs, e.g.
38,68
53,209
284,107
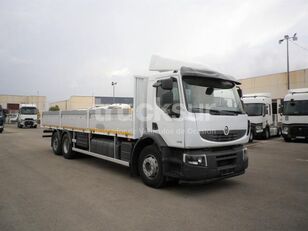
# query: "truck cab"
27,116
2,119
259,109
295,115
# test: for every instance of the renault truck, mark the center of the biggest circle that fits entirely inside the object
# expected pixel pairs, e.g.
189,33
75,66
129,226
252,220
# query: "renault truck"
187,124
295,115
261,113
27,116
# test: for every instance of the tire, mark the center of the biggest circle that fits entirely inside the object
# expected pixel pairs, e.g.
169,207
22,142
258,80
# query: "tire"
56,143
35,126
251,137
279,132
286,139
1,130
150,167
266,133
19,125
66,144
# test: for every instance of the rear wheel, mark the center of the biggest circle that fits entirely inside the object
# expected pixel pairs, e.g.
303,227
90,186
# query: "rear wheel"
1,130
150,167
67,147
56,143
266,133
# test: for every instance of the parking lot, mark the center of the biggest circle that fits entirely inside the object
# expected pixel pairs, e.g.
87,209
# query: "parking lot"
41,191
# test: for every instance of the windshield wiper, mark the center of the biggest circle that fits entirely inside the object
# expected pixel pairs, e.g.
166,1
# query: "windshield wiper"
198,109
234,112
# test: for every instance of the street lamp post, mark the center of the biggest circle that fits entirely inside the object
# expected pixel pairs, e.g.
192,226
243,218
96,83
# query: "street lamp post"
287,38
113,90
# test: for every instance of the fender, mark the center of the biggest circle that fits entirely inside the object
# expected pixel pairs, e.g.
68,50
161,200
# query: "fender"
146,139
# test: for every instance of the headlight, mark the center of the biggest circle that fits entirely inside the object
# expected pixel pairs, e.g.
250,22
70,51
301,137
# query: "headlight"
259,127
196,160
285,129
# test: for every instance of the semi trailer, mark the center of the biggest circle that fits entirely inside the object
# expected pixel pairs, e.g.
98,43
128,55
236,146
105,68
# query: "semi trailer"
27,116
186,123
295,115
263,116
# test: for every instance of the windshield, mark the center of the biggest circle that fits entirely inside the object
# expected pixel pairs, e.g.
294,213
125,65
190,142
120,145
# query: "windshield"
212,96
28,110
254,109
298,107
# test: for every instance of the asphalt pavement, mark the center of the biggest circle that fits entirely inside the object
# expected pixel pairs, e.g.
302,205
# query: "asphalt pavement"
42,191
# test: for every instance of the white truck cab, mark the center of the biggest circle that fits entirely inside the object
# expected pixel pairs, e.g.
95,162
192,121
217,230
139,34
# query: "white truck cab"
295,115
2,119
27,116
187,123
259,109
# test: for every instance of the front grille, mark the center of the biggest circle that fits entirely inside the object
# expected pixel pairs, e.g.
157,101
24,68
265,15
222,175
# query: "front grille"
219,136
226,160
298,130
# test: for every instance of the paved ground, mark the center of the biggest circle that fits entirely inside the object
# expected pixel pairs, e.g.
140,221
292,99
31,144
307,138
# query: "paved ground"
41,191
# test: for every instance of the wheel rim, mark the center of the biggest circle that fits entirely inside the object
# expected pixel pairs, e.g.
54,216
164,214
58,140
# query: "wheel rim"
65,146
55,143
150,166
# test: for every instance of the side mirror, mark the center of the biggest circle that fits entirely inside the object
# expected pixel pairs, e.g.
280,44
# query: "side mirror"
166,84
240,92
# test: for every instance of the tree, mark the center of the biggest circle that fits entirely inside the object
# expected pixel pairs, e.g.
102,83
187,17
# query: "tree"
54,108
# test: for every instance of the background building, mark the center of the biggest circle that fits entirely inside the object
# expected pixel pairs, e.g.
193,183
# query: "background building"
84,102
12,102
276,84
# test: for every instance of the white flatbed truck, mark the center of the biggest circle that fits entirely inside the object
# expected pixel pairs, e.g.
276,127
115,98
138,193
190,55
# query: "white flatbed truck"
260,110
295,115
186,124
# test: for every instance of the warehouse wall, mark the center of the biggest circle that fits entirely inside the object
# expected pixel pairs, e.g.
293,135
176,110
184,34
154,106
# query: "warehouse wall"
276,84
75,102
80,102
40,101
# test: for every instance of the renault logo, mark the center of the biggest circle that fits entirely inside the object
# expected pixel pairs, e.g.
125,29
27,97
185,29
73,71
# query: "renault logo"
226,131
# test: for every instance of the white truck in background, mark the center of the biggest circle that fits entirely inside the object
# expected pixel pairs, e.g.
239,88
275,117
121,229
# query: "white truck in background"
259,108
186,124
295,115
27,116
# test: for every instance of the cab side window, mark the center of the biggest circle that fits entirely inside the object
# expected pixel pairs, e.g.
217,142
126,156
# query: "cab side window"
168,99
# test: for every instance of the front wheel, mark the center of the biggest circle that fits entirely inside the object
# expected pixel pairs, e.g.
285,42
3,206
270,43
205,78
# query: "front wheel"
287,139
251,137
150,167
266,134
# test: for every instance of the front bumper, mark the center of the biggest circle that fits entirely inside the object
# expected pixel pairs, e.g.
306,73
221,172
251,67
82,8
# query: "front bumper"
293,131
221,163
28,123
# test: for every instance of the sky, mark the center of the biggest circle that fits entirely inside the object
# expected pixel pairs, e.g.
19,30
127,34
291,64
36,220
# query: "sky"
61,48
